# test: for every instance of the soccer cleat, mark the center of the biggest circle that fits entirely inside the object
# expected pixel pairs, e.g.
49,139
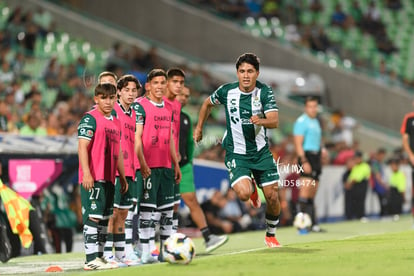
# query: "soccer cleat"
155,252
114,262
147,258
215,242
272,242
254,197
97,264
131,260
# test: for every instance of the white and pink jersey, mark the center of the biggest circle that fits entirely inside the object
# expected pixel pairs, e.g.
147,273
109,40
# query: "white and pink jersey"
176,111
128,122
156,134
103,149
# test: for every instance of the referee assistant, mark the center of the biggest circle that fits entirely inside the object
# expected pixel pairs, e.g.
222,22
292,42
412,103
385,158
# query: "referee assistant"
307,138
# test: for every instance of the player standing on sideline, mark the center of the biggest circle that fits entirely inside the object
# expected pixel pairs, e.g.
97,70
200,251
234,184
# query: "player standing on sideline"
407,132
187,188
250,110
127,88
307,134
154,146
104,227
175,83
100,155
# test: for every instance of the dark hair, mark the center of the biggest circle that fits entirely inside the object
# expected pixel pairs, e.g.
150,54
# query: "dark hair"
358,153
123,81
394,160
107,73
172,72
105,89
381,150
156,73
311,99
249,58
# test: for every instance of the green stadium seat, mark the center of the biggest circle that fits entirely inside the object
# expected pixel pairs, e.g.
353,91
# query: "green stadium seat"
334,33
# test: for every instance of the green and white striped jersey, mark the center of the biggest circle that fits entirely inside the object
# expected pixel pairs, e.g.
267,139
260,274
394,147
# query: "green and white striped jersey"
241,136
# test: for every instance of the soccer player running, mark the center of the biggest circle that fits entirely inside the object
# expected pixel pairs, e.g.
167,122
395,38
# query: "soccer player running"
250,110
100,155
307,135
407,133
175,83
127,89
187,188
154,146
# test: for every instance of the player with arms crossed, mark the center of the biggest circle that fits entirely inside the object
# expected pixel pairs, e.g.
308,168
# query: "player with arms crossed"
250,110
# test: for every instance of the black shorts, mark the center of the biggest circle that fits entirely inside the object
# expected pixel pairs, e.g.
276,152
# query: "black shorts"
314,159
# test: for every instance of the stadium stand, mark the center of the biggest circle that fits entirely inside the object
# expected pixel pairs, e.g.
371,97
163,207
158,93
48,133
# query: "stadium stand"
363,44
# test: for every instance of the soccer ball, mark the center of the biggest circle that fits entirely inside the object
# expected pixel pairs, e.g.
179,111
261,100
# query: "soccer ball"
302,221
178,249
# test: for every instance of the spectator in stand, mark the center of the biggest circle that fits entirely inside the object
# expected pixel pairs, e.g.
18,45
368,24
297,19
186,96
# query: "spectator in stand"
18,64
6,73
372,19
29,40
53,127
254,7
151,59
356,13
271,8
339,17
43,19
320,41
394,5
348,124
3,116
51,73
315,6
33,125
384,44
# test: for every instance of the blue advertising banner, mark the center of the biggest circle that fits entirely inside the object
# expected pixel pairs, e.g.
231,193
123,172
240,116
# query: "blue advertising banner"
208,177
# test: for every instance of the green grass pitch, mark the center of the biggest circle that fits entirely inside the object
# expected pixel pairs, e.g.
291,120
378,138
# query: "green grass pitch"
348,248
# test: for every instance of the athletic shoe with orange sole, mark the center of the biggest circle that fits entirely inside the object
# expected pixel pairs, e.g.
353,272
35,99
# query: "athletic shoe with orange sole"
272,242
